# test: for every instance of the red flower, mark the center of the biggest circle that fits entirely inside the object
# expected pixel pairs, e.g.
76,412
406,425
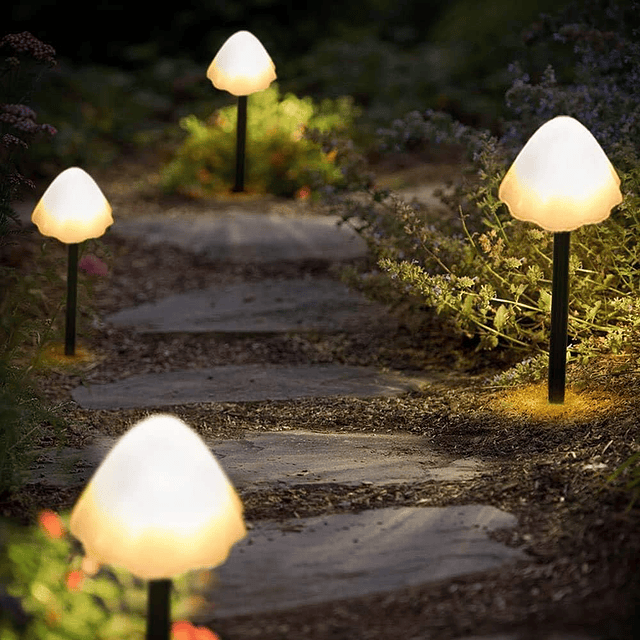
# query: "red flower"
184,630
303,193
51,524
74,580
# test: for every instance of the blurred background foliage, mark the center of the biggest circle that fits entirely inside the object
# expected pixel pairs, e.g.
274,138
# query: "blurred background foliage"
126,78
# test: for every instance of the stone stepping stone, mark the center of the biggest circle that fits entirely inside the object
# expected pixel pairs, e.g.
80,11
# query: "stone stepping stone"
281,565
287,458
237,236
296,457
269,306
244,383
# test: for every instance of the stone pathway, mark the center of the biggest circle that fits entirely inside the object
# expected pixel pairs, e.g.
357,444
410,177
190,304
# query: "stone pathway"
288,458
307,560
244,383
270,306
313,560
238,236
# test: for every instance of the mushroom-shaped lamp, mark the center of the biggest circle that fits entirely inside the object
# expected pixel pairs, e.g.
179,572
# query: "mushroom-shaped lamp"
561,180
72,209
242,66
159,505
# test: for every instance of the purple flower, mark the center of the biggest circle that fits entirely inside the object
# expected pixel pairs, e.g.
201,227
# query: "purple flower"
25,42
93,265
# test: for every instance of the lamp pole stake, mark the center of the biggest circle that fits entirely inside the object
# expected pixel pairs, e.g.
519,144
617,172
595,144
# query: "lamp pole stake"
72,295
158,604
559,317
241,137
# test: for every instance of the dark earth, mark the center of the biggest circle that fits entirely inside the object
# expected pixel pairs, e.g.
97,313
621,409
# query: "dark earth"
548,466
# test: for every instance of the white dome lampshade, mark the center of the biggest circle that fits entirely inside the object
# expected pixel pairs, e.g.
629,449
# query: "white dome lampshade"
242,66
561,179
159,504
73,208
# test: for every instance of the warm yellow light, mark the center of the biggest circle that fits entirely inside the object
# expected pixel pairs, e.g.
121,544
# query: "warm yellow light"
242,66
561,179
159,504
73,208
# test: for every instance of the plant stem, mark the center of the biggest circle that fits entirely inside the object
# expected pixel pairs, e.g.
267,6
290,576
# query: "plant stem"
72,295
559,317
241,137
158,614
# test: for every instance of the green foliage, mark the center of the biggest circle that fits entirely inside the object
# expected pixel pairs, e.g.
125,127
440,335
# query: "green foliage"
100,112
490,275
62,603
280,156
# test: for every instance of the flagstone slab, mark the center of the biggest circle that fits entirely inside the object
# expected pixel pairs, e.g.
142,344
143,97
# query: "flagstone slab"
287,458
268,306
241,237
281,565
245,383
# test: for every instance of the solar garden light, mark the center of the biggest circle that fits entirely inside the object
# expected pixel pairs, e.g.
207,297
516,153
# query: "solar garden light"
159,505
561,180
72,210
242,66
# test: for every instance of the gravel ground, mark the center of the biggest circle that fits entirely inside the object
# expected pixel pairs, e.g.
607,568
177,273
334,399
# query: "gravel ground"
548,469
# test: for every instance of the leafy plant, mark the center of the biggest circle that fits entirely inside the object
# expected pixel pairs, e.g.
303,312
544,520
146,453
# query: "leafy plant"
490,276
60,601
281,158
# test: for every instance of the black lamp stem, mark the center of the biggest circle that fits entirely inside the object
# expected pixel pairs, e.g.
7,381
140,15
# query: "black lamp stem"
158,610
559,317
72,295
241,137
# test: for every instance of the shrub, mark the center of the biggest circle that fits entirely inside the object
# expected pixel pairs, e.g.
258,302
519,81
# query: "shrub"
491,279
281,157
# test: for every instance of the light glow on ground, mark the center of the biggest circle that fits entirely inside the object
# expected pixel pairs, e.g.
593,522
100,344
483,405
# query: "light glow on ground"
53,356
532,401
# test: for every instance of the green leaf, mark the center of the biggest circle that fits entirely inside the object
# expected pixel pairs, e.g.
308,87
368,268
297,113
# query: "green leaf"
545,300
591,313
500,318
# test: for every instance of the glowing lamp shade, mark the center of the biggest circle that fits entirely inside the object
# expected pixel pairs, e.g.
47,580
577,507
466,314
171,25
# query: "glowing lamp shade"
73,208
159,504
242,66
561,179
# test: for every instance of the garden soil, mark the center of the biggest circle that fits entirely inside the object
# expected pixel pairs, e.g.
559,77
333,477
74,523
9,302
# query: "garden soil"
545,465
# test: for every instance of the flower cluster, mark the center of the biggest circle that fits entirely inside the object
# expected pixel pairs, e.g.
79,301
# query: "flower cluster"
18,121
23,119
26,43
